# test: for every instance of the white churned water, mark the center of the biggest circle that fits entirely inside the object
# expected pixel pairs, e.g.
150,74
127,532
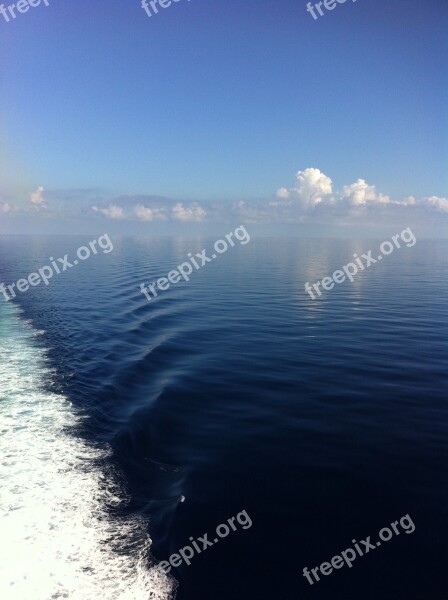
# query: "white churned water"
56,540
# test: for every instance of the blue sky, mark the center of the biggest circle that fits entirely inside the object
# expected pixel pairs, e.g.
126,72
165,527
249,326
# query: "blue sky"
203,112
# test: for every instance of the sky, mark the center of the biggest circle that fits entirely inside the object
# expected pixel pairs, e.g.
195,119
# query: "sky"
217,111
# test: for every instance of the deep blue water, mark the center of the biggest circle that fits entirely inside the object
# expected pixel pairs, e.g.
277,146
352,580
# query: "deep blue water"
325,420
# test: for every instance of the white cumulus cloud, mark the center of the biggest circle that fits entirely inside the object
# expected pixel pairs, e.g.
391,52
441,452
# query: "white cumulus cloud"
361,193
111,212
312,197
440,204
37,198
194,212
144,213
310,188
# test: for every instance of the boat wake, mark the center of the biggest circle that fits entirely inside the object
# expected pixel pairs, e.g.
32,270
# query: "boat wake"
58,539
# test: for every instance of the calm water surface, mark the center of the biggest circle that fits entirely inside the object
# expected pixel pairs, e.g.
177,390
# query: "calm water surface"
325,420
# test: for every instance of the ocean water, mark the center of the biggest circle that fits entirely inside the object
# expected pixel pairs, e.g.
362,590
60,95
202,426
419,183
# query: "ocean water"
325,420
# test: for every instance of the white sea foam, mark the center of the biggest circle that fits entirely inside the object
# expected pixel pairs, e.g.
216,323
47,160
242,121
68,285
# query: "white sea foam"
56,540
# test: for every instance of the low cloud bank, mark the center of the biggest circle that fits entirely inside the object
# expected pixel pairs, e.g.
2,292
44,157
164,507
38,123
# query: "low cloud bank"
311,199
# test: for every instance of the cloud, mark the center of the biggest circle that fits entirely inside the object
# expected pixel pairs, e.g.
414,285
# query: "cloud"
409,201
310,188
361,193
194,212
174,211
144,213
37,198
312,197
111,212
440,204
152,208
313,189
5,207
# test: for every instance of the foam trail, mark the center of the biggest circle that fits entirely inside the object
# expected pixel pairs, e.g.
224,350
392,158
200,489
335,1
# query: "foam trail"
56,539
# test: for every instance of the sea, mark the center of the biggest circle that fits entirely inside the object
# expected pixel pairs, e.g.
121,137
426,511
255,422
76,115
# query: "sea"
129,428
